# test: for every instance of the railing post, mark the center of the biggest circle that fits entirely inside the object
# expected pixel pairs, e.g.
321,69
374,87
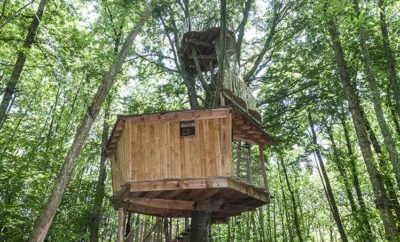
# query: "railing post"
248,163
239,158
263,169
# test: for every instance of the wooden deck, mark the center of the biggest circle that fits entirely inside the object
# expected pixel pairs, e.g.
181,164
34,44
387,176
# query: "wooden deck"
222,196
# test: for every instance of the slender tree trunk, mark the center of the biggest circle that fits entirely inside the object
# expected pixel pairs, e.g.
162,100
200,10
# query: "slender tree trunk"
361,132
390,60
293,199
121,225
11,86
385,178
99,196
45,219
283,212
356,181
331,197
376,98
341,168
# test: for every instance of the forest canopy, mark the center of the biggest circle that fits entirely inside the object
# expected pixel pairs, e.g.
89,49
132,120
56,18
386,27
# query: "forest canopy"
325,75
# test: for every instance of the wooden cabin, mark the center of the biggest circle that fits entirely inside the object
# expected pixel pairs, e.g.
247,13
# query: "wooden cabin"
170,164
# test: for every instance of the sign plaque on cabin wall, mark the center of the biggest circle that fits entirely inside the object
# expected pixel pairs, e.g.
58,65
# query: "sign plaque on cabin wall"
187,128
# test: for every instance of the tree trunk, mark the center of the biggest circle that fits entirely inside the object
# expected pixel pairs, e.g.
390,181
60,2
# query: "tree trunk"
384,178
390,61
121,225
45,219
356,182
331,197
292,198
361,132
376,98
10,90
99,196
341,168
201,220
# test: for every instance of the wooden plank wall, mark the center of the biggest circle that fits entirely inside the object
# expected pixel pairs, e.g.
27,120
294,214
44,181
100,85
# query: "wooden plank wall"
158,151
120,163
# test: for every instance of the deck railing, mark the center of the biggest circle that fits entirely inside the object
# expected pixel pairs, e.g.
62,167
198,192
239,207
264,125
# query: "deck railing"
246,165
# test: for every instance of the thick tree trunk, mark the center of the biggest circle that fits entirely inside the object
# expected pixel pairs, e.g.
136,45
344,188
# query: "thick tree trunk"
331,197
390,61
99,196
376,98
361,132
11,86
201,221
293,200
45,219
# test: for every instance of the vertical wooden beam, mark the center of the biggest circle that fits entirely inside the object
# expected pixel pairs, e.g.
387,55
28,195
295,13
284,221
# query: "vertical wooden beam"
263,168
239,158
121,225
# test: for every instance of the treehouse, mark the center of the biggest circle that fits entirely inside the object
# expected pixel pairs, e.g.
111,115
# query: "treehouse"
200,52
170,164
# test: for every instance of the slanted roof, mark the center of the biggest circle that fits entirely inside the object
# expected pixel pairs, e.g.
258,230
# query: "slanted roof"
244,127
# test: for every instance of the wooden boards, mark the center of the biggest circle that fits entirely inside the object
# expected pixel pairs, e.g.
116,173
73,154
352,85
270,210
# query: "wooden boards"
158,151
154,146
223,196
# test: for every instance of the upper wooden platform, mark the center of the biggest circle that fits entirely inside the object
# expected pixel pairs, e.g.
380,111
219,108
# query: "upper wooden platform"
244,126
222,196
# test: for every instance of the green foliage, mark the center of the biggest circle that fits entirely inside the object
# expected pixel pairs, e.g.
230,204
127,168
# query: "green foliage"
297,75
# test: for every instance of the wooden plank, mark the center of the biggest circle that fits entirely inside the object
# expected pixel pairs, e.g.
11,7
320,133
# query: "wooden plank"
217,139
212,161
202,146
202,43
248,189
157,211
163,203
164,151
174,156
141,150
176,184
182,115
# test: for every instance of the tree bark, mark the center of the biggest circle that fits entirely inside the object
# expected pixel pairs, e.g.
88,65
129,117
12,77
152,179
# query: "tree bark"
99,196
390,61
384,178
377,102
11,86
43,222
293,200
201,220
361,132
241,28
356,181
121,225
341,168
331,197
